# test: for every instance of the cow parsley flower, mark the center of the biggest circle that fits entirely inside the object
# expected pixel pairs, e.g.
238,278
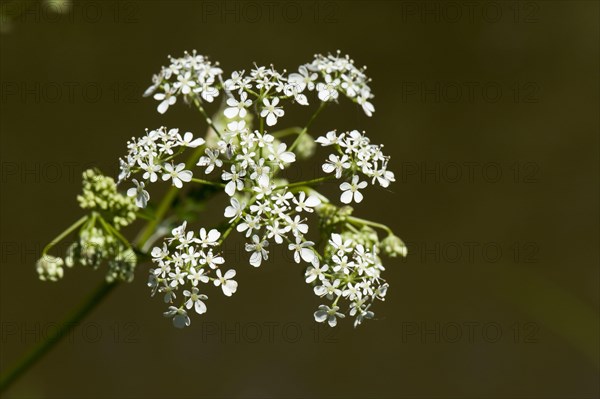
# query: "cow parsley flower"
247,158
177,174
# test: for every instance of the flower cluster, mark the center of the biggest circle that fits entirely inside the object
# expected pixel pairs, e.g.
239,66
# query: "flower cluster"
152,155
192,76
352,272
185,262
99,240
338,75
356,154
245,156
100,195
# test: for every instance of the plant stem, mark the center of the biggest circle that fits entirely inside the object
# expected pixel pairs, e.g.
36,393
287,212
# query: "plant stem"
207,182
98,295
206,117
310,121
362,222
65,233
69,323
164,205
305,183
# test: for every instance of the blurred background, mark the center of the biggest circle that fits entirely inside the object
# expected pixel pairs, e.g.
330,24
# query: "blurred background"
489,111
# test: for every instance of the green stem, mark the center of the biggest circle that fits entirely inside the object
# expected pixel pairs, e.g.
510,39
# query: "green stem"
310,121
111,230
206,117
304,183
99,294
286,132
362,222
65,233
164,205
207,182
69,323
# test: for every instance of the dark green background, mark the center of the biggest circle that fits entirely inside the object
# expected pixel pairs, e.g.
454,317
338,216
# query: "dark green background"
543,57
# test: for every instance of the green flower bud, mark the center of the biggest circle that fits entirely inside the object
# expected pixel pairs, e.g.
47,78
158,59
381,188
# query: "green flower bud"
49,268
393,246
306,146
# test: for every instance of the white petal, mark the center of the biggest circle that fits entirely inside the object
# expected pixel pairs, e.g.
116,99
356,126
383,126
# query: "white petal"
320,316
256,259
231,112
346,197
307,254
230,287
358,197
271,119
230,188
312,201
163,107
200,307
230,274
213,235
185,175
328,168
288,157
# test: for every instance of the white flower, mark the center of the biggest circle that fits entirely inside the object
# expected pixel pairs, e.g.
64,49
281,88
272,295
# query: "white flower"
281,156
249,223
305,204
235,179
212,261
50,268
188,140
339,244
185,83
258,251
195,300
228,285
177,174
329,139
328,288
237,108
328,90
336,164
352,291
384,177
177,277
141,195
196,276
276,232
271,111
314,272
302,80
350,191
296,225
208,238
166,99
363,100
234,210
263,140
180,317
210,160
329,314
302,250
150,169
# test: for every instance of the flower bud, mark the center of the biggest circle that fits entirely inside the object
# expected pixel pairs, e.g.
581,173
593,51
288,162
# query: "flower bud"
393,246
306,146
50,268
